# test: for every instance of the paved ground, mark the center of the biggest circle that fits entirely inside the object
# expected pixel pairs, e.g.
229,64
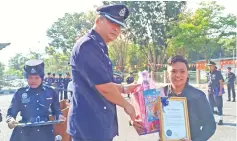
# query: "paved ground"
227,132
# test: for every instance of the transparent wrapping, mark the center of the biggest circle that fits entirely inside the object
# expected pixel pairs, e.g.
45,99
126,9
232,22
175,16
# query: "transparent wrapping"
145,99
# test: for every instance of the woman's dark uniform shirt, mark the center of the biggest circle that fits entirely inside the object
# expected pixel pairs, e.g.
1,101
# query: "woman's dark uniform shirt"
200,114
91,116
34,105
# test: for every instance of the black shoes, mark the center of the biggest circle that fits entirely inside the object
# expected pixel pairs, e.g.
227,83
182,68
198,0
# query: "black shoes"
230,100
220,122
215,112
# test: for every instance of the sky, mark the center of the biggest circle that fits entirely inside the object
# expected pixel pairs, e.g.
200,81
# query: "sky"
24,23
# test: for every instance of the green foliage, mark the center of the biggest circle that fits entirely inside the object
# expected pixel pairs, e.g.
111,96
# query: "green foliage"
57,63
148,24
65,30
202,31
2,68
17,62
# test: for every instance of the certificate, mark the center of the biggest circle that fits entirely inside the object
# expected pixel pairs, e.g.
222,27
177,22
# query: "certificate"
174,119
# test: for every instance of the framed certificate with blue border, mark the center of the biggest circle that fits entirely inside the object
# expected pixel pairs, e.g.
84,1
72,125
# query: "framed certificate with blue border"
174,120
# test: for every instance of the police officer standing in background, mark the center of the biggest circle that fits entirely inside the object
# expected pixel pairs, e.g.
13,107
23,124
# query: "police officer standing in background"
53,80
215,90
93,114
130,80
66,81
48,80
59,85
231,84
34,102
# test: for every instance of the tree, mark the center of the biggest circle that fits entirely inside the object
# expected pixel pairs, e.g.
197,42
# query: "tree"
35,55
203,31
2,68
148,23
65,30
57,63
17,62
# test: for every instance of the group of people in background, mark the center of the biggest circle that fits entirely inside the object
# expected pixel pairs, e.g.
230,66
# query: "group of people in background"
60,83
129,80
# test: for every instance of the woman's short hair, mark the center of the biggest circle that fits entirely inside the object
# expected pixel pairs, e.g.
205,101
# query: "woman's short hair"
175,59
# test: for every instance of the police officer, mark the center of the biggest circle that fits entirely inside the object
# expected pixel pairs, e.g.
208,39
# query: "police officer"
231,84
93,114
53,80
66,81
48,80
117,79
35,103
215,90
59,85
130,78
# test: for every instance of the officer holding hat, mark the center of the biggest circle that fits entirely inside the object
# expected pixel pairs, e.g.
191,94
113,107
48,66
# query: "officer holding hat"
215,90
93,114
35,102
231,84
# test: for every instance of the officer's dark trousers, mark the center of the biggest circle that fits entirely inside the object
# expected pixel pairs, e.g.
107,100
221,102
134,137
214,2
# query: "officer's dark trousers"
212,101
65,95
77,139
60,92
231,87
219,104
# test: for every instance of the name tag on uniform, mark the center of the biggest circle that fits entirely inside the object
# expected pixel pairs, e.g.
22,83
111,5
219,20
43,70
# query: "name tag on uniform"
49,98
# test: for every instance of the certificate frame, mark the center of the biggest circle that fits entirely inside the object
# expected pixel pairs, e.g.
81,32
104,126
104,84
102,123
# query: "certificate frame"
183,100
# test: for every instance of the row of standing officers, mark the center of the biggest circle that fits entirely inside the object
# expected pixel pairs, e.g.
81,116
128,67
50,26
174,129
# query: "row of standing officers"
59,83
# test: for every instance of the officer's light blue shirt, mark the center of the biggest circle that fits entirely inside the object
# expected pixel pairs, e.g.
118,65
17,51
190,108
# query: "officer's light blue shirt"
91,116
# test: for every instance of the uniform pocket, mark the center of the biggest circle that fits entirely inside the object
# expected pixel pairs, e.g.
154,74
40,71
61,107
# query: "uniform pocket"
49,100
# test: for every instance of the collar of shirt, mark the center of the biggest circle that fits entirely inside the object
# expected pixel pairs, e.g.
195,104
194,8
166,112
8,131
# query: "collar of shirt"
40,88
214,71
93,34
172,94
